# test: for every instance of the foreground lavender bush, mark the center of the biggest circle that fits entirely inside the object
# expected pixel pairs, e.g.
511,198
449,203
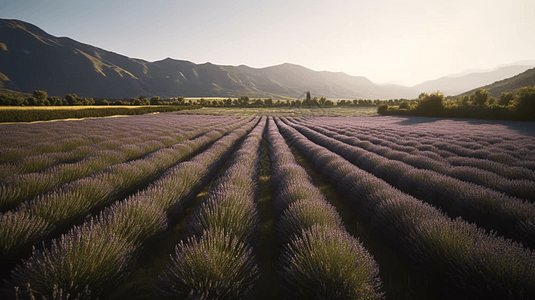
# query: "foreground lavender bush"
214,266
70,267
19,230
217,261
327,263
320,260
474,264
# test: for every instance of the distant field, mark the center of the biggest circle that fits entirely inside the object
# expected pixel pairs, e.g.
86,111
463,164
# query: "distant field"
284,111
47,113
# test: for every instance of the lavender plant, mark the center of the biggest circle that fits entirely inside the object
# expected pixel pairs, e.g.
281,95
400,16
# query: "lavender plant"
92,258
217,261
490,209
474,263
320,260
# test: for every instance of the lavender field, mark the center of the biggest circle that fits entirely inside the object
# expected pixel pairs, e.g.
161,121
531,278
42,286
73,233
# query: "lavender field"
178,206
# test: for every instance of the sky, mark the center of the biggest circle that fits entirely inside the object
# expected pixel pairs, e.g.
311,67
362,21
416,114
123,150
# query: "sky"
387,41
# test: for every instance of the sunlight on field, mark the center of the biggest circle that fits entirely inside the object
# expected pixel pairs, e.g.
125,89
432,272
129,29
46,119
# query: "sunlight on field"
284,111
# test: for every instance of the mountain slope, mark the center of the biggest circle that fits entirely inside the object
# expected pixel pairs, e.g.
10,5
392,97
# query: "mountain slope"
32,59
495,89
453,85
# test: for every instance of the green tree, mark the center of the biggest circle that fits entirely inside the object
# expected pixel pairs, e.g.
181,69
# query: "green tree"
525,102
480,97
38,94
72,99
135,101
87,101
381,109
506,98
431,104
32,101
155,100
243,100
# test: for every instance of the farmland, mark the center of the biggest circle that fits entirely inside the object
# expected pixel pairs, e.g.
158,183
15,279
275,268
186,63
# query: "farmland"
267,204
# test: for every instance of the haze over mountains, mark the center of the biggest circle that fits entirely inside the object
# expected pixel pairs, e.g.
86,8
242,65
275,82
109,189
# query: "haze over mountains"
31,59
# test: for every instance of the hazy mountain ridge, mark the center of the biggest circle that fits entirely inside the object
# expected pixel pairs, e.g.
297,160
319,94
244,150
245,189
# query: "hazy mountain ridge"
32,59
454,85
526,78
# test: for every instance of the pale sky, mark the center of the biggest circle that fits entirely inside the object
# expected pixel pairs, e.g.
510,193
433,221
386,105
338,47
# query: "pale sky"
407,42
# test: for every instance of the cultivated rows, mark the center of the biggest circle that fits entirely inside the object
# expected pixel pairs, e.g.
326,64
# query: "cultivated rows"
512,217
110,242
91,202
319,259
474,264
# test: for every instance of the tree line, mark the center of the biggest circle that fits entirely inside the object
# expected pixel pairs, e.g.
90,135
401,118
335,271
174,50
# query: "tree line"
41,98
516,105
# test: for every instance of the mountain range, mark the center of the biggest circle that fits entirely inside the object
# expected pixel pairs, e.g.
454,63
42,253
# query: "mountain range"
31,59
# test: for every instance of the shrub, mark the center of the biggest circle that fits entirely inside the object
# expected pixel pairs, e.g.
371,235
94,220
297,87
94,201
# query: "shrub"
404,105
525,102
215,266
383,108
431,104
480,97
328,263
84,260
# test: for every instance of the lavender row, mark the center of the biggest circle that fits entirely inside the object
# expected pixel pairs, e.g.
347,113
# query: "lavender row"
70,150
90,260
513,151
217,260
58,210
507,137
320,260
61,135
517,188
430,154
511,217
484,156
27,186
85,147
434,148
459,259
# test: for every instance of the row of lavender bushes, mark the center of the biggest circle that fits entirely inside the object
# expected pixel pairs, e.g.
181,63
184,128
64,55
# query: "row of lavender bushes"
23,187
460,137
522,188
460,260
319,260
217,260
22,140
48,151
55,212
509,216
90,260
509,154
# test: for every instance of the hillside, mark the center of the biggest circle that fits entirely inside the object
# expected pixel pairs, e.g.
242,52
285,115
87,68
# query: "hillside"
32,59
456,84
495,89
